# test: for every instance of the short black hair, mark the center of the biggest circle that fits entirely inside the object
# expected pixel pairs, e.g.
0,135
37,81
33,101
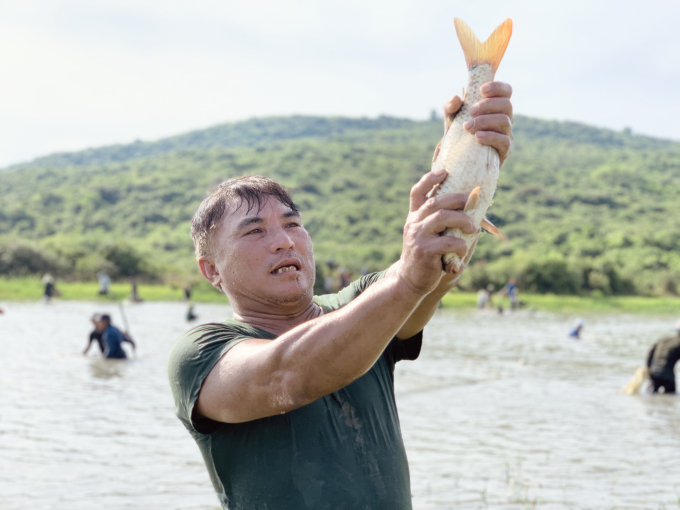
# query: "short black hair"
105,317
251,190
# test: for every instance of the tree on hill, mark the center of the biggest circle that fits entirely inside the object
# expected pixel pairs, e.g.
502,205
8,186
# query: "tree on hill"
583,209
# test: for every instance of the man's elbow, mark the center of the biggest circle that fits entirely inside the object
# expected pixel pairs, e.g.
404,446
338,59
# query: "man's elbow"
297,390
290,391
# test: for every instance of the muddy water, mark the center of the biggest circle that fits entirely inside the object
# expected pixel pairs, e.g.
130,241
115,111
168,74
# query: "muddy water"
498,412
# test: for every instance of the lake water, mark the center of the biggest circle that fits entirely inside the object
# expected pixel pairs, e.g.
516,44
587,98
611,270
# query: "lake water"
498,412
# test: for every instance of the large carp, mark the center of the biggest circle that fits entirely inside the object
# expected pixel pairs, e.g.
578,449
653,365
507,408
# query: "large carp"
472,167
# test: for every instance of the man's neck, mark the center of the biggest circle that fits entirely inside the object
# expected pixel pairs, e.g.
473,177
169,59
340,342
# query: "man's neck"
278,322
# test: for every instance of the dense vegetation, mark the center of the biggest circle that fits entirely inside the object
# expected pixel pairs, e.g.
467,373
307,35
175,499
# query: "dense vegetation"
583,209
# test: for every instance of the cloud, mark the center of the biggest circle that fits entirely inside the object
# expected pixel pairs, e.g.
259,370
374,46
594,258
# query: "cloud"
83,73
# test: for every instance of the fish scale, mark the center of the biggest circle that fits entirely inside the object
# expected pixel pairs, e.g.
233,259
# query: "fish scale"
469,164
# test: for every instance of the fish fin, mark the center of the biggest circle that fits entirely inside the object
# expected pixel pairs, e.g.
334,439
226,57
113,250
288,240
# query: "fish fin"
489,227
473,200
492,229
436,152
490,51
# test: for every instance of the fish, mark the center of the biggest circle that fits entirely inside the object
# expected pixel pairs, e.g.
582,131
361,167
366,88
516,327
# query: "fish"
472,168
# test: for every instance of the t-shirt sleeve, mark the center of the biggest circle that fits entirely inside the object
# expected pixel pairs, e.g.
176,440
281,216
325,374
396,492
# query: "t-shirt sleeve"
192,358
408,349
331,302
397,350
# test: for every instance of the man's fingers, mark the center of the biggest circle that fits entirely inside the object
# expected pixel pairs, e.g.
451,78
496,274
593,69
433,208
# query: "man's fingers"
466,259
496,89
424,186
498,122
501,143
452,107
450,110
450,244
492,105
444,219
450,201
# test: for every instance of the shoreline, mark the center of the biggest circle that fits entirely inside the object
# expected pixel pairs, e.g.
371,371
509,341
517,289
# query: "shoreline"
569,303
31,289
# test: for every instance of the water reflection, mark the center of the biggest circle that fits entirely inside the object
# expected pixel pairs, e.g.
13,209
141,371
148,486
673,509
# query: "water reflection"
107,368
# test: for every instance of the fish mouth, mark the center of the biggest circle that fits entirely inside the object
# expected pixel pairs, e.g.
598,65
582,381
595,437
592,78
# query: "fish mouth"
287,266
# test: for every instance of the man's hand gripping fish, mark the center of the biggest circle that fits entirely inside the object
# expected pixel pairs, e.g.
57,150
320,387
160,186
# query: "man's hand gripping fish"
472,167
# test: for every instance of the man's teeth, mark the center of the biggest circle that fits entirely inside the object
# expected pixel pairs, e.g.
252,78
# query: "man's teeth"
285,269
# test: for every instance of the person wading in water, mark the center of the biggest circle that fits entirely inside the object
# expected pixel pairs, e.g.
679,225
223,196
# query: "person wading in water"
96,334
292,401
113,339
661,361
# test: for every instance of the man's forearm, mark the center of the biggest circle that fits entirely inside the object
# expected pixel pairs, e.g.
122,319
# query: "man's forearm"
336,349
260,378
427,307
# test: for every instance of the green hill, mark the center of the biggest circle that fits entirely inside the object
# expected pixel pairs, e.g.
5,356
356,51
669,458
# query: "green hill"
584,209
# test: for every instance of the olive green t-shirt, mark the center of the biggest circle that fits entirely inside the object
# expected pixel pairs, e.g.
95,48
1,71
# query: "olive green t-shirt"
343,451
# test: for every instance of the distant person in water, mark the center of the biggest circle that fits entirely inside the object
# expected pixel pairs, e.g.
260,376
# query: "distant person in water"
191,316
96,334
576,331
661,361
50,290
104,283
187,293
485,297
135,296
113,339
511,291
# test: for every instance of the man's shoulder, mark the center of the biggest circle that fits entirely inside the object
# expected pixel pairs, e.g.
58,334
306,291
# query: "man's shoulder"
331,302
112,330
196,351
211,333
670,340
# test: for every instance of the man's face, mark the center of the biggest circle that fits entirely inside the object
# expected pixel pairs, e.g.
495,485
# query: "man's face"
263,256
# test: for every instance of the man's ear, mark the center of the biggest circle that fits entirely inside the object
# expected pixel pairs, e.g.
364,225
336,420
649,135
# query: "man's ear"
209,270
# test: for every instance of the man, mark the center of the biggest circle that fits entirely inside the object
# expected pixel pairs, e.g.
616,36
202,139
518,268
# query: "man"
661,361
50,290
485,296
113,339
104,283
292,402
96,334
511,291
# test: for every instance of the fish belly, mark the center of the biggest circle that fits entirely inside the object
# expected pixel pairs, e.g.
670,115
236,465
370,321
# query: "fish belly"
469,163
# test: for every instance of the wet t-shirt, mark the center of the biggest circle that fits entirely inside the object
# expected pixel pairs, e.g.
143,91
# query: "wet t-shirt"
343,451
663,357
113,338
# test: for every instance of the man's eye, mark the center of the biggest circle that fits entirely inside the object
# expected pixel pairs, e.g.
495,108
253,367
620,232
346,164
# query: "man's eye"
254,231
294,224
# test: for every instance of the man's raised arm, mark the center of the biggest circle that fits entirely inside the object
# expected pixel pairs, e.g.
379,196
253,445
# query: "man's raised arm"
258,377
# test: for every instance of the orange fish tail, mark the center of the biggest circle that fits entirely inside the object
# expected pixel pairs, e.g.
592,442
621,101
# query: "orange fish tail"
490,51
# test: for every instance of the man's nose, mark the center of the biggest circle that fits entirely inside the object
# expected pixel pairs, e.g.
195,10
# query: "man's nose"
282,241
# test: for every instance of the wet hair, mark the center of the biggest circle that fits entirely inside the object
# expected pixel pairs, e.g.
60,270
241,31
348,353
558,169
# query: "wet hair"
253,191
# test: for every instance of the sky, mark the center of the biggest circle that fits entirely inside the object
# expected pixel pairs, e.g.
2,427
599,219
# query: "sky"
83,73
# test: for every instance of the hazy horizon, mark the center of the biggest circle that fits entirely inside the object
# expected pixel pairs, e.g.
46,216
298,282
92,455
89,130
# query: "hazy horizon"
171,135
82,75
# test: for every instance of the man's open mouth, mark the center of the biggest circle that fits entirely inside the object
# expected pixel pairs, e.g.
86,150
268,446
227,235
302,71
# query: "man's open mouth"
286,267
